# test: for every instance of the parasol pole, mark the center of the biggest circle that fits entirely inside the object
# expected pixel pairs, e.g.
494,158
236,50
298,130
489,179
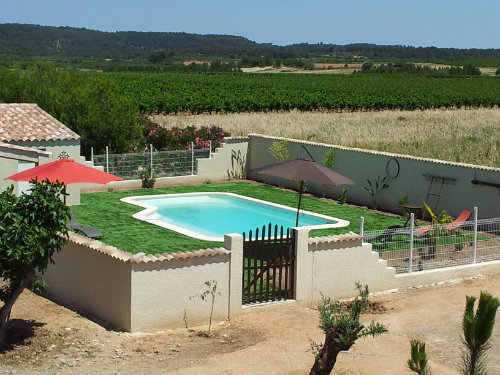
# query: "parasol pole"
300,200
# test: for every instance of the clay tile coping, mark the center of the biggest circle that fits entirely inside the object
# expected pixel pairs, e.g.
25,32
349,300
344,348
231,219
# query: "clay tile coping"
349,237
141,257
31,150
99,246
180,255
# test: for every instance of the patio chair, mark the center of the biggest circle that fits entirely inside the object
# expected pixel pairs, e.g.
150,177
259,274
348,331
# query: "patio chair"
90,232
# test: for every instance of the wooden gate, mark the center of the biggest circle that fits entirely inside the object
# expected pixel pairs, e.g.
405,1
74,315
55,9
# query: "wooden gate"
268,265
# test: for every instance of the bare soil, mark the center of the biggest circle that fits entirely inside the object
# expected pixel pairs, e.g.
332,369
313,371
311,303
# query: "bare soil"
48,338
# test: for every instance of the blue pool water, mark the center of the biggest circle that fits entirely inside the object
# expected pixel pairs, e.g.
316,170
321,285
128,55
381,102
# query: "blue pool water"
209,216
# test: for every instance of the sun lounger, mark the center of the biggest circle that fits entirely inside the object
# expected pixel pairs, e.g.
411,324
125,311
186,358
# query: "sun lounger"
381,241
460,220
422,232
90,232
457,223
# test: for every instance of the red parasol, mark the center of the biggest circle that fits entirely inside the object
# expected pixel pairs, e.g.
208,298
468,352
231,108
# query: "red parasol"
66,171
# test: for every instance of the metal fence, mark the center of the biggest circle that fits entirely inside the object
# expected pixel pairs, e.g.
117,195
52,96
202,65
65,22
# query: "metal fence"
437,246
157,163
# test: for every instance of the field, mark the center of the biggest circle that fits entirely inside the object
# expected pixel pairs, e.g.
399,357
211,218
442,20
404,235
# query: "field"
459,135
198,93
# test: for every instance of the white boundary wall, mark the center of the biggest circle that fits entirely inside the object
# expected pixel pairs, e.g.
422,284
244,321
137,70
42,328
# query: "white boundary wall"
216,168
359,164
147,293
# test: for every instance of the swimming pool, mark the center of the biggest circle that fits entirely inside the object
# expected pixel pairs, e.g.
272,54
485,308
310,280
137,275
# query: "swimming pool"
208,216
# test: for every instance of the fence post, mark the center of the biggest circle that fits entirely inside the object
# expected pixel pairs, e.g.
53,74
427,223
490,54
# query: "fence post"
474,237
151,159
210,151
192,159
107,160
412,224
361,227
92,155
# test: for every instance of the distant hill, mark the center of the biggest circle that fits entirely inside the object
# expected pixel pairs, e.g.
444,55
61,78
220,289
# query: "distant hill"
46,41
34,40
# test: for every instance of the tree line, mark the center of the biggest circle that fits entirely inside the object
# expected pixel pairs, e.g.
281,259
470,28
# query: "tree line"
34,40
89,104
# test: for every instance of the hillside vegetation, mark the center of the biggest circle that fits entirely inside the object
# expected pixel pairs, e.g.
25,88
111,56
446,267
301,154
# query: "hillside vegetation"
70,46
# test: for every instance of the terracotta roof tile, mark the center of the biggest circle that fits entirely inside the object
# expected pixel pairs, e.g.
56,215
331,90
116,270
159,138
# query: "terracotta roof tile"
28,122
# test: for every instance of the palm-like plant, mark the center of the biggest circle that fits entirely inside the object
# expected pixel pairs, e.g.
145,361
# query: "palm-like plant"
418,362
438,228
477,329
442,218
374,188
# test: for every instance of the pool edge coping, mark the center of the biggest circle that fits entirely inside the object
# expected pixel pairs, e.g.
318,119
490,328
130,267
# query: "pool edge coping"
149,209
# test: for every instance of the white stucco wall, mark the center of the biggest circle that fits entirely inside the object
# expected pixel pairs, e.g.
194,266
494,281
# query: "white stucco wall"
147,293
214,169
426,277
163,291
332,265
69,146
138,292
358,165
94,277
220,166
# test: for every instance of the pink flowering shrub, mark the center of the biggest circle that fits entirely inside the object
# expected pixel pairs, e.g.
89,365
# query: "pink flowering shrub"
164,139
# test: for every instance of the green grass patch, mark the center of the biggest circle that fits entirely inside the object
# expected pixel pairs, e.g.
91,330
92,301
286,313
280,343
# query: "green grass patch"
106,212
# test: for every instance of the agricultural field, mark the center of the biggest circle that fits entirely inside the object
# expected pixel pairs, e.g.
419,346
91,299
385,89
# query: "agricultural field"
412,114
238,92
460,135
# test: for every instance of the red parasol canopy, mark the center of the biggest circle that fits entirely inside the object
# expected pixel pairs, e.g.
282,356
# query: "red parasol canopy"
66,171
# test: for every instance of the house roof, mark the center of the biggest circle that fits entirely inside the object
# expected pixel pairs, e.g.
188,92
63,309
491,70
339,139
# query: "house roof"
28,122
7,147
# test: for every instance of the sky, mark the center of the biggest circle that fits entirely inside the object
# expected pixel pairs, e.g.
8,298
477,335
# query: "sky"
418,23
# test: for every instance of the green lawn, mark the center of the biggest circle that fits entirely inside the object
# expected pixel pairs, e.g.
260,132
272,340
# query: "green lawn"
106,212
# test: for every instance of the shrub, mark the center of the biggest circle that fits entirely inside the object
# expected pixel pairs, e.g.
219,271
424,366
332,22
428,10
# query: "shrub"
169,139
279,149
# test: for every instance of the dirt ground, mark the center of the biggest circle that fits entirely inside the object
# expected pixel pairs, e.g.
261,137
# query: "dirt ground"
49,338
